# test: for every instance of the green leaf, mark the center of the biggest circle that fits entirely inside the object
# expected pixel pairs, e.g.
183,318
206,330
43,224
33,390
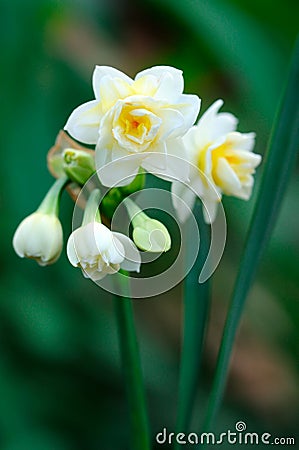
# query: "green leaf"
196,309
278,165
131,367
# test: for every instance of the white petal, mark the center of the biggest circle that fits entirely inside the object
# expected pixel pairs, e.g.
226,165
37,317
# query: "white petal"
116,251
146,85
241,141
119,172
246,158
132,259
173,122
170,82
93,273
83,124
39,236
183,200
177,167
191,146
189,106
106,71
71,251
210,208
111,90
227,178
102,157
156,159
212,125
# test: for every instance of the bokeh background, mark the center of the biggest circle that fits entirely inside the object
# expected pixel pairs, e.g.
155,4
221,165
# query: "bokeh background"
61,385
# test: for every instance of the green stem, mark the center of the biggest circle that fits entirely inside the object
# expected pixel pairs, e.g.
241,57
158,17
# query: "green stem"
132,368
135,213
91,212
50,204
196,311
279,163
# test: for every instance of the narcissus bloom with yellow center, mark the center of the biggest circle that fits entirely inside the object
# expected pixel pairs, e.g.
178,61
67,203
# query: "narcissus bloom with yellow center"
223,161
142,119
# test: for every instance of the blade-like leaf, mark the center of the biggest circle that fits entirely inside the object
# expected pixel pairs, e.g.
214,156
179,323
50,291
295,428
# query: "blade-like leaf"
131,367
196,309
280,158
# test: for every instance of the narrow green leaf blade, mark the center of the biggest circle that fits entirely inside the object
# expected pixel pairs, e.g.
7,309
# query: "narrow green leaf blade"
196,310
278,165
129,350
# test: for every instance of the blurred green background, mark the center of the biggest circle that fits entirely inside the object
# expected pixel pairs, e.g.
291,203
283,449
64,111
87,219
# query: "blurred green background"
61,384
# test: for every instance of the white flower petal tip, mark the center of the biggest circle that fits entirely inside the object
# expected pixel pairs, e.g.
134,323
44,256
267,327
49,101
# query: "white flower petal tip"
99,252
83,123
132,257
224,158
134,117
40,237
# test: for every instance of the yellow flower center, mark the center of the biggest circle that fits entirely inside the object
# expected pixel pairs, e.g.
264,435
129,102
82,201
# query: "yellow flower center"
135,127
209,167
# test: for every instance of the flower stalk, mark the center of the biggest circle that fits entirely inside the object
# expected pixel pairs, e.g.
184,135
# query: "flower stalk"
50,204
91,212
132,367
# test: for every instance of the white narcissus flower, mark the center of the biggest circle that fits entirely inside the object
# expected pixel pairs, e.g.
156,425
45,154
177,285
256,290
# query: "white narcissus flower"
223,163
99,251
39,236
142,119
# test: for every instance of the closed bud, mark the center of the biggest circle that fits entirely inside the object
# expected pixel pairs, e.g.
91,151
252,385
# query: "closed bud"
39,236
148,234
78,165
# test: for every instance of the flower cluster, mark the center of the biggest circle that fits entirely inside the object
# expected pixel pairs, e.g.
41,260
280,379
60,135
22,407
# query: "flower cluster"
142,123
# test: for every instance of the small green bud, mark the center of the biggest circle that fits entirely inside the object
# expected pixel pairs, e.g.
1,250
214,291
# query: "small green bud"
78,165
148,234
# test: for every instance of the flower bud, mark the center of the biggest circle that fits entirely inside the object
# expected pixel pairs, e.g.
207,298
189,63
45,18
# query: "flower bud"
78,165
148,234
39,236
96,249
